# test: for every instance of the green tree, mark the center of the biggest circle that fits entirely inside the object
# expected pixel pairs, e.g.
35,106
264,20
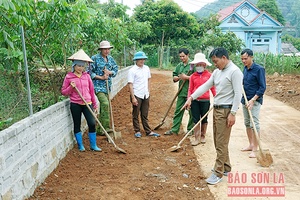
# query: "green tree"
10,46
296,17
58,28
113,9
167,20
292,40
270,6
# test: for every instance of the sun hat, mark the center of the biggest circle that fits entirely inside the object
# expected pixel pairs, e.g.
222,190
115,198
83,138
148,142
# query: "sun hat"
80,55
139,55
105,45
200,57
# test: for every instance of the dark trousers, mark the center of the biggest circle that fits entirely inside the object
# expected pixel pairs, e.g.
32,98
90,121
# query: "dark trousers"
141,109
76,111
199,109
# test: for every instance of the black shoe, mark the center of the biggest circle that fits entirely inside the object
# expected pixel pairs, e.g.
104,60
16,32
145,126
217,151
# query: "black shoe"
168,133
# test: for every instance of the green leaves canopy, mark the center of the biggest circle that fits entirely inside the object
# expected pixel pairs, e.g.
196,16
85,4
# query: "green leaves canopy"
270,6
166,16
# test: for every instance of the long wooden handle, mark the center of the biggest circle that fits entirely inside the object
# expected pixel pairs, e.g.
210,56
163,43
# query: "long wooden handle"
87,105
177,93
194,126
252,121
110,108
173,100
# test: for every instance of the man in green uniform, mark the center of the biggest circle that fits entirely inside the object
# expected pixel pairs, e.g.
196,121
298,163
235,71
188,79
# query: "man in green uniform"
182,74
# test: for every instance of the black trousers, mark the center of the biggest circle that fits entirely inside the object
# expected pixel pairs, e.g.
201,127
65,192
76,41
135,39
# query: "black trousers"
199,109
76,111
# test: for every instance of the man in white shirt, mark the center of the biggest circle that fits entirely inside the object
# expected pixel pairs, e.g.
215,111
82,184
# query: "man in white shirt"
138,81
228,81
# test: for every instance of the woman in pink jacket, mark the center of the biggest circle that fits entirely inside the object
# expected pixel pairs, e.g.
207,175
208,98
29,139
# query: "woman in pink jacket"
82,80
200,106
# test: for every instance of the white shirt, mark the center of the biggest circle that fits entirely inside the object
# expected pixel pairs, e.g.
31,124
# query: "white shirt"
139,77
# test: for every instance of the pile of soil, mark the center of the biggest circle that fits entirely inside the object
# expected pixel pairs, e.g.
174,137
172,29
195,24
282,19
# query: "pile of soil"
285,88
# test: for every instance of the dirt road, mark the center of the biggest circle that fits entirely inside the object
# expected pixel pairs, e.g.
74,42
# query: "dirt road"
280,132
148,171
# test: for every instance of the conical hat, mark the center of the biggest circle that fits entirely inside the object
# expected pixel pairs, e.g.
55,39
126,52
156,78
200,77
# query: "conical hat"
80,55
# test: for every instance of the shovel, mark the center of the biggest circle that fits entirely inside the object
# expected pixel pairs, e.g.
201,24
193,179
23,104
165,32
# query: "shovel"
117,135
170,106
264,157
106,134
175,148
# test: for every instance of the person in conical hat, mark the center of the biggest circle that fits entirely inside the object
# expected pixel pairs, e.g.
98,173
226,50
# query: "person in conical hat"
81,80
102,71
80,58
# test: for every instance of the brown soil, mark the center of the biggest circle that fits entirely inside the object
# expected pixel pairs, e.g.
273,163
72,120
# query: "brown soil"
148,170
285,88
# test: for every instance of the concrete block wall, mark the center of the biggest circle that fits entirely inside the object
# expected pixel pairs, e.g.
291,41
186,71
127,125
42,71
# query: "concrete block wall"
32,148
118,83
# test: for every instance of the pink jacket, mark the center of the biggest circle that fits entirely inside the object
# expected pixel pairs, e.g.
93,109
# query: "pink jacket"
198,79
84,85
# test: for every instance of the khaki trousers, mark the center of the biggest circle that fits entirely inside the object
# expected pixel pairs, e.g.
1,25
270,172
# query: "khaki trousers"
221,140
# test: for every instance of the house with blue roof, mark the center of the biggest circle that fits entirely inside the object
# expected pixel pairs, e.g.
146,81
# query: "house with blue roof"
259,31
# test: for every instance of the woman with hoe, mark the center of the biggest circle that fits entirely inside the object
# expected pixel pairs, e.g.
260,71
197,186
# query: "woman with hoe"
81,80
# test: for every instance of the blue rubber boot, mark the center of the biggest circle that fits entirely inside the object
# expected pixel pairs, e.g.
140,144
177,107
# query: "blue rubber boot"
93,145
78,137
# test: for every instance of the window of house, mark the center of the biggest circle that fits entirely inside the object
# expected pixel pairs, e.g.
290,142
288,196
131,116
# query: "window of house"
233,20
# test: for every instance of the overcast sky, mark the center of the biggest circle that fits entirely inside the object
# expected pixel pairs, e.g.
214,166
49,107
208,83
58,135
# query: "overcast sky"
186,5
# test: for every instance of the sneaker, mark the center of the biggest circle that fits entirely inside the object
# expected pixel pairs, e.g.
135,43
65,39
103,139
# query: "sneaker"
138,135
168,132
225,173
213,179
195,142
153,134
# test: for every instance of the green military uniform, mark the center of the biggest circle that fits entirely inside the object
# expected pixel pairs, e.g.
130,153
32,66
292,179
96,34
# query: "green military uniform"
181,68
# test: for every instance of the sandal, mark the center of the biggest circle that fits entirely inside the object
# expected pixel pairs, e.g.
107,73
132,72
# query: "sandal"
168,133
202,140
138,135
153,134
